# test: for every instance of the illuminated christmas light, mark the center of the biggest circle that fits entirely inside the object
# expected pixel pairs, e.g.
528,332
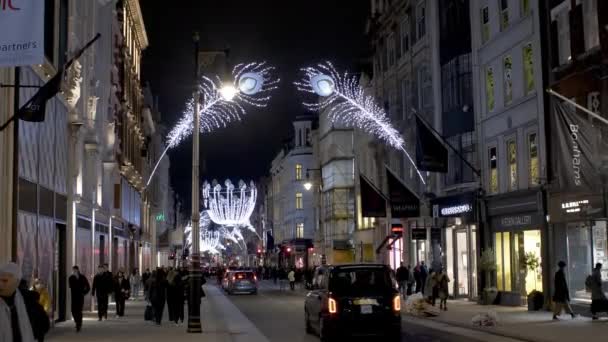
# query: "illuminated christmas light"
346,102
223,102
210,241
230,206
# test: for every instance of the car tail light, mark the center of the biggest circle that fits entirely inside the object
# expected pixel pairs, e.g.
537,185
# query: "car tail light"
397,303
333,307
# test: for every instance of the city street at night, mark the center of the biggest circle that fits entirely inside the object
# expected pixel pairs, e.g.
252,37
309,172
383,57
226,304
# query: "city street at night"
298,171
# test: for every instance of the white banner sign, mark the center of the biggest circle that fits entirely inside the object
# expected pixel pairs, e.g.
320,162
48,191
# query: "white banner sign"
21,32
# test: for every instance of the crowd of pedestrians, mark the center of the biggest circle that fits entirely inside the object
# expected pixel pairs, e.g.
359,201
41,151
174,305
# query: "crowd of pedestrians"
433,284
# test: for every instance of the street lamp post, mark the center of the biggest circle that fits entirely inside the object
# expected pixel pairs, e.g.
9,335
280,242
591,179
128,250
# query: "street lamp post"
194,307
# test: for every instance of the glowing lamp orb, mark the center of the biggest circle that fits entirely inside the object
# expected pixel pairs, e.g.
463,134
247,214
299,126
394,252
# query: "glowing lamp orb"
308,186
228,92
251,83
322,85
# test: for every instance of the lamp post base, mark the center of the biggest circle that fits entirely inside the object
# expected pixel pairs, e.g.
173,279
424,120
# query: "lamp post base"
194,295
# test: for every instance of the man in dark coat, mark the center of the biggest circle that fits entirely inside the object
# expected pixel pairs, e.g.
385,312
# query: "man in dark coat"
122,290
403,275
101,291
79,287
561,296
157,294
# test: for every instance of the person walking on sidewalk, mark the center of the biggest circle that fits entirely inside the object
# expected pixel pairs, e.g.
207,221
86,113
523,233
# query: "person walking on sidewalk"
144,281
442,281
122,290
101,291
157,294
135,280
403,275
424,273
175,294
417,278
561,296
292,279
79,287
599,302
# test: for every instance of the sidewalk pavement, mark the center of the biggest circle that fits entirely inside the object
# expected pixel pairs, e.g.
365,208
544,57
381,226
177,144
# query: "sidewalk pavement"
518,323
221,321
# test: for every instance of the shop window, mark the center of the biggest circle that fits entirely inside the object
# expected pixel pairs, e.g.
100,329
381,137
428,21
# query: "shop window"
504,14
490,88
591,23
533,170
485,24
512,163
507,79
528,56
525,7
503,261
493,170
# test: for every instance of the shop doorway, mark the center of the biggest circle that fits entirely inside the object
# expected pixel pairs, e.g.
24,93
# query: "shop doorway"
461,260
518,261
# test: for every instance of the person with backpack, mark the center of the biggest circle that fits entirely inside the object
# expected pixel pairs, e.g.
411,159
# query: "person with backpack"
599,302
561,296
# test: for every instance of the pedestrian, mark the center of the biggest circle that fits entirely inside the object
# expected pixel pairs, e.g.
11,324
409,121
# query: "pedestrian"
410,280
291,276
274,274
122,290
599,302
442,280
173,293
22,318
417,278
561,296
144,281
430,288
403,274
101,291
424,272
44,297
179,304
79,287
157,294
135,281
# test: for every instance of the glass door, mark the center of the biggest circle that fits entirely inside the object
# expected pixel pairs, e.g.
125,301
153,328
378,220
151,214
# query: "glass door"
462,262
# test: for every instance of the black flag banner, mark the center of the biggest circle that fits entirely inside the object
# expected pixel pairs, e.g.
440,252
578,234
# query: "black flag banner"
34,110
404,203
580,150
431,154
373,204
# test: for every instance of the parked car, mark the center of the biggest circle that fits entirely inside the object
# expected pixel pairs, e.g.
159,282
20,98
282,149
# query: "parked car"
353,300
241,282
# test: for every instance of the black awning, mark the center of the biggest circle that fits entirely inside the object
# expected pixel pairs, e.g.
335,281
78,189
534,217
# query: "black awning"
404,202
373,203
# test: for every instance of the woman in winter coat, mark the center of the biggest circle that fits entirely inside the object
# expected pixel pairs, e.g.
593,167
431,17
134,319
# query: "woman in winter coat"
157,294
122,290
442,280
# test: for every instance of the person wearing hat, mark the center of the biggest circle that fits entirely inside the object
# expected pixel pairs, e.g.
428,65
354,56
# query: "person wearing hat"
561,296
22,318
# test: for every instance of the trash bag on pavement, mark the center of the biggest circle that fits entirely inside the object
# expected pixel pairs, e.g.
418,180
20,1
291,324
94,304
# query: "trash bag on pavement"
485,319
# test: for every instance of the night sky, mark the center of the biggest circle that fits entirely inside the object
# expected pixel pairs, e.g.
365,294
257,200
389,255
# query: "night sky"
289,34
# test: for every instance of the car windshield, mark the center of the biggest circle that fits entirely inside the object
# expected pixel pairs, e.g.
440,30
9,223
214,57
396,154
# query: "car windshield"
243,275
360,281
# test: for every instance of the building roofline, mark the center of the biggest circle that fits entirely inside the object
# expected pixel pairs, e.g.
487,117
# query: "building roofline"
138,20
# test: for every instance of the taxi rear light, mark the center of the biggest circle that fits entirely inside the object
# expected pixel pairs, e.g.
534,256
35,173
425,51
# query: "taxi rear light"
397,303
332,305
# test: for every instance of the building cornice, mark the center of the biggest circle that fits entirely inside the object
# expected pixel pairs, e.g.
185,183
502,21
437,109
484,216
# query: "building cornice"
138,22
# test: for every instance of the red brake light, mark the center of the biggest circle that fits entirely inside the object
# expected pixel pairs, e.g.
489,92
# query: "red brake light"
240,276
333,307
397,303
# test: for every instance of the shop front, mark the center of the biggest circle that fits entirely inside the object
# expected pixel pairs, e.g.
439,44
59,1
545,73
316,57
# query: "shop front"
456,215
579,235
518,235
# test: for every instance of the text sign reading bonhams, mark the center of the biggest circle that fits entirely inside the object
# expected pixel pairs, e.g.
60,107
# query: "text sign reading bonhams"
21,32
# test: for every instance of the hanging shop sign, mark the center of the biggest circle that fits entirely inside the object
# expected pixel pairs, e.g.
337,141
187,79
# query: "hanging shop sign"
419,234
568,207
461,205
21,32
